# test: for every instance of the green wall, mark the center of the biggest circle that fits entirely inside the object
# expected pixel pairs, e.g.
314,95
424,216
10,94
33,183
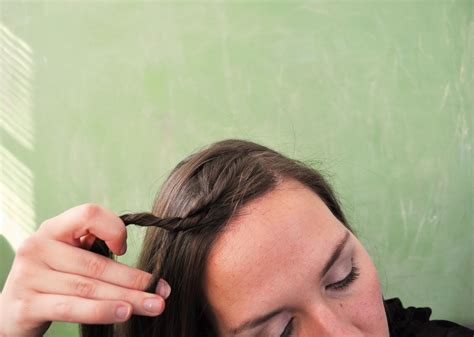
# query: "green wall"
99,101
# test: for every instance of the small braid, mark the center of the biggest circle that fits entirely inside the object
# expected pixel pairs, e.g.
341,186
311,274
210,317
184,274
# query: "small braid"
146,219
194,220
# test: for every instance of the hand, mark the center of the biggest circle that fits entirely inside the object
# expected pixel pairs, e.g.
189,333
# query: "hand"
55,278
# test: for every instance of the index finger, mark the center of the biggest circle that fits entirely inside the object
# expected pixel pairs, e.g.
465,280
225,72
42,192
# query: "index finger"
85,219
64,258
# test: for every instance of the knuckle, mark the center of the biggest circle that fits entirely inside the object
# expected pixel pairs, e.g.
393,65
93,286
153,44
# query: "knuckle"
89,211
46,223
63,310
100,312
28,247
140,280
21,271
84,288
21,311
95,267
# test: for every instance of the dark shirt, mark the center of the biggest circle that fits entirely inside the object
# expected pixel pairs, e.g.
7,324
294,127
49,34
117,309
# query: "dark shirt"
415,322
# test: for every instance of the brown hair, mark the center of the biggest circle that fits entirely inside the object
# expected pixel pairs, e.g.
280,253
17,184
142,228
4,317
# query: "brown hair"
200,196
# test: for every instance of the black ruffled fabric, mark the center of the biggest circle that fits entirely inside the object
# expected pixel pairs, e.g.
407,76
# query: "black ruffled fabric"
415,322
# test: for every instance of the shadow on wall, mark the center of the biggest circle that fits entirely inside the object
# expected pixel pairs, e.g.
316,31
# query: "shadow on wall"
6,259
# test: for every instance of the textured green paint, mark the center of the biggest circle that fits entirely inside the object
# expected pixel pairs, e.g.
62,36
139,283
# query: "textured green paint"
379,94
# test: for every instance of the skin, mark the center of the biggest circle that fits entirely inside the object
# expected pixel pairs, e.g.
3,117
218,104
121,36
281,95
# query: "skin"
271,256
75,285
290,225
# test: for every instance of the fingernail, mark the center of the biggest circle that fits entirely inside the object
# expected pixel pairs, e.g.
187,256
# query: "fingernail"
163,289
121,312
153,305
124,248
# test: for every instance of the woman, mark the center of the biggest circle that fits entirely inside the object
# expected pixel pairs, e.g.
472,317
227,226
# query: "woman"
252,244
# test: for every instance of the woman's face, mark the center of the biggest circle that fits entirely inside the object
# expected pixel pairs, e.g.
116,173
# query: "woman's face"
288,267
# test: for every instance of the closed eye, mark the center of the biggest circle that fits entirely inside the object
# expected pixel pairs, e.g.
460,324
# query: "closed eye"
288,332
346,281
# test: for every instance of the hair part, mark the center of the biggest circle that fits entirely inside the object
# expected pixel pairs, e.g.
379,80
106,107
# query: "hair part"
203,193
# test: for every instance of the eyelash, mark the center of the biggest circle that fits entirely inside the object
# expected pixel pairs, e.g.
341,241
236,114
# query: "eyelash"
344,283
288,331
337,286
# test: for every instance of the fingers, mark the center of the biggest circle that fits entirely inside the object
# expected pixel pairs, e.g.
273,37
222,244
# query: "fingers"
53,282
51,307
64,258
87,219
52,279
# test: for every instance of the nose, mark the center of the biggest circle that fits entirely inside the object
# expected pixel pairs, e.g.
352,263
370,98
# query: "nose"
325,320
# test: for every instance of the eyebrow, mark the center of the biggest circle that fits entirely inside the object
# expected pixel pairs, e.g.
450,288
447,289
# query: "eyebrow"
253,323
335,254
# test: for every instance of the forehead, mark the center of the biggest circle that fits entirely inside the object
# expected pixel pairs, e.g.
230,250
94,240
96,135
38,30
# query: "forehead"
277,242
